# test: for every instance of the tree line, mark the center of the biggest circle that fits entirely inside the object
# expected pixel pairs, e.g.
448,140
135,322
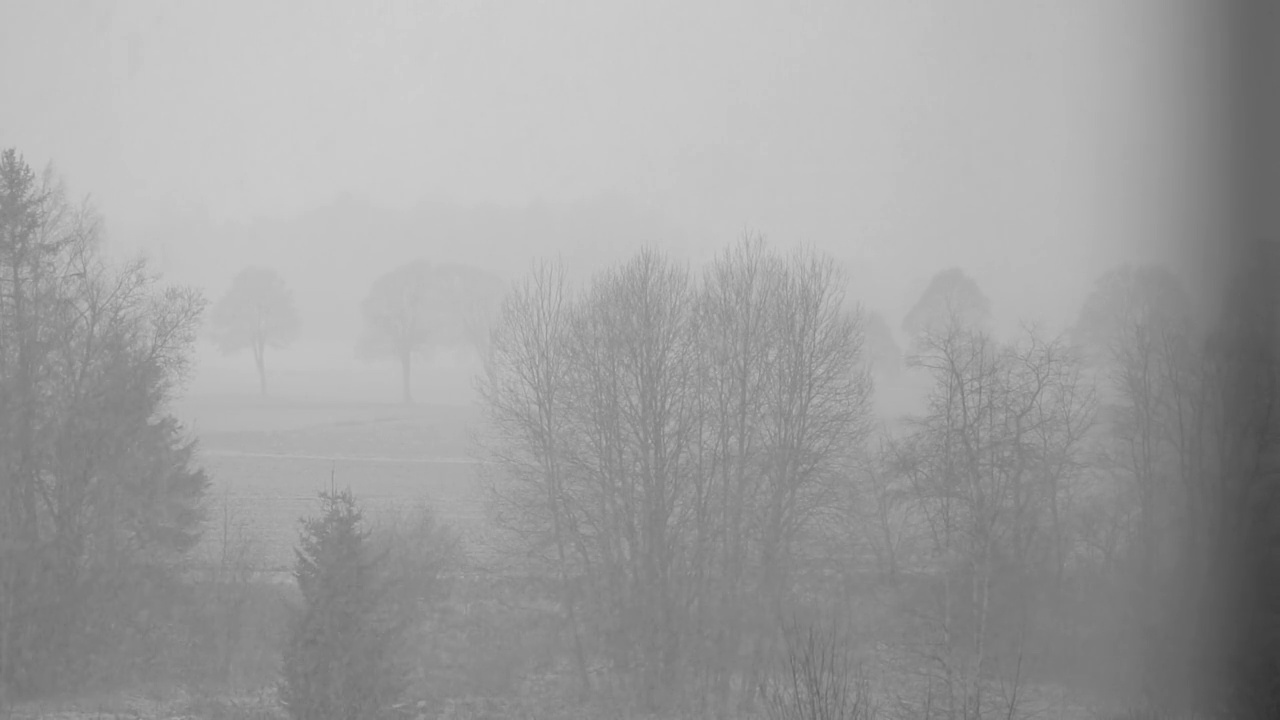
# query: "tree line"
103,501
693,462
688,467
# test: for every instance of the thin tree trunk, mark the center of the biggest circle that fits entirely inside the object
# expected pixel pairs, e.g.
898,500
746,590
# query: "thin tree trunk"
259,360
406,367
568,595
982,597
948,667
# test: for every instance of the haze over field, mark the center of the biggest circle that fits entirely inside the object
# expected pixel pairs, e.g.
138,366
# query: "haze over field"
1022,142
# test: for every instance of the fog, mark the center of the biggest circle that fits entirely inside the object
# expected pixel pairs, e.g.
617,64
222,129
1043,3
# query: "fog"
885,230
1033,145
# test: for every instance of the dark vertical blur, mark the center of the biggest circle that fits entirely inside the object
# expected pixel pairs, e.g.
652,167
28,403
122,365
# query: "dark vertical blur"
1238,661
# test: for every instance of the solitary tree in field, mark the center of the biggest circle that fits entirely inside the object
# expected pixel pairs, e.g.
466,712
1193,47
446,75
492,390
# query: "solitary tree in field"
418,307
395,315
257,312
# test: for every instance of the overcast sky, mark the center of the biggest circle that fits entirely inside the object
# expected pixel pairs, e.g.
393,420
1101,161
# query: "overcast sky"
1032,143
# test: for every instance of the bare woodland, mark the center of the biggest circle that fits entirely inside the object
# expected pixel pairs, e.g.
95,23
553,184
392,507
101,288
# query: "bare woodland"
694,461
699,509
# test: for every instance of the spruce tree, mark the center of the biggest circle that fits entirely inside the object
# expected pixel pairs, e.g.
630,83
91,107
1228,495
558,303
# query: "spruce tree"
341,658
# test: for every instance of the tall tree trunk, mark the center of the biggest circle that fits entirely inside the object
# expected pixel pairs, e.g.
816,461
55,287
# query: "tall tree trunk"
568,596
406,366
23,473
259,360
552,473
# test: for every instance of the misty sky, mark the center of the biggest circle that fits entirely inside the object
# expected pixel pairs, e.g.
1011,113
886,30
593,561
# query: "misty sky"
1032,143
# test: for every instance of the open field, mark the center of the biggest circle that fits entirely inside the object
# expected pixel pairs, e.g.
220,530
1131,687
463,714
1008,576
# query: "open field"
268,460
213,417
270,493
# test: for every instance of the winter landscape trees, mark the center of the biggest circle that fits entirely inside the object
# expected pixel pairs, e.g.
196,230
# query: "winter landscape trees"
100,493
992,462
419,306
669,443
257,313
680,451
703,511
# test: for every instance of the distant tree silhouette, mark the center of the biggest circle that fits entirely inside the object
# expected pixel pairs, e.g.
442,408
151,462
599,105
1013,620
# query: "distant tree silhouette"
420,306
256,313
952,297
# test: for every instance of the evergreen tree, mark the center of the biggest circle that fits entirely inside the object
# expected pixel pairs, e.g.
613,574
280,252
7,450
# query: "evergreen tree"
341,659
100,494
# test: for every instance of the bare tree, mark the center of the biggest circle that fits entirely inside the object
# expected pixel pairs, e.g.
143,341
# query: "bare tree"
1192,426
881,510
257,312
820,678
666,450
737,338
815,417
991,456
1135,326
396,318
524,393
470,300
419,306
642,313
